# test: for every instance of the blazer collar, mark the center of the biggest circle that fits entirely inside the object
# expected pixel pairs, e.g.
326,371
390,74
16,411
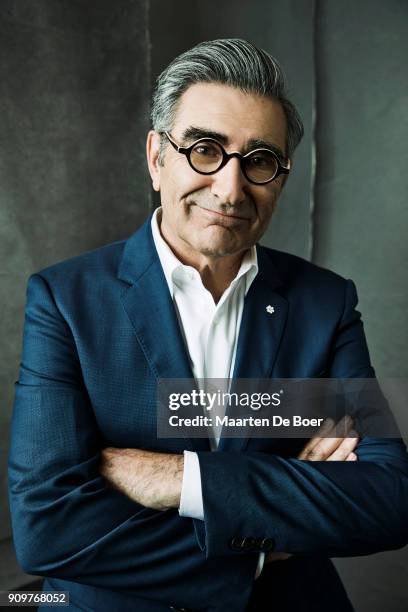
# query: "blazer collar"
138,255
152,315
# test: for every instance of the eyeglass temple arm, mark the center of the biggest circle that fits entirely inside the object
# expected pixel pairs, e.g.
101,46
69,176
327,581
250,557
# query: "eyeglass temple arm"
286,168
176,146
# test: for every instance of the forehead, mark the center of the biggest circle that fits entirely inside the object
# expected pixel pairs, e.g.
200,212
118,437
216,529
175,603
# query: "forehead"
225,109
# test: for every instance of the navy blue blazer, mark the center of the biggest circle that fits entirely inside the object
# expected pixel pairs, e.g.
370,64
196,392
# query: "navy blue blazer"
100,330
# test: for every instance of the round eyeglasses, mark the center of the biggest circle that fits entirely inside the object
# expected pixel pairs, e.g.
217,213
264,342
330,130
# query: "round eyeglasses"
207,156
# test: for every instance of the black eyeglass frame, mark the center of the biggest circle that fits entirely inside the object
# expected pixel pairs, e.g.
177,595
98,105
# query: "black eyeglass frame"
281,169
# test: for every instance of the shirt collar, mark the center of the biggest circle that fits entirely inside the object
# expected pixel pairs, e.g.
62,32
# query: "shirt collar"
170,263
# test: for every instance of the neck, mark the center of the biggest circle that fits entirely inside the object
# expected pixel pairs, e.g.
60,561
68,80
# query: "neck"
217,274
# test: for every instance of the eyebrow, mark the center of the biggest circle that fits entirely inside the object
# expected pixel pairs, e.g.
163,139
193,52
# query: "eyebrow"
193,133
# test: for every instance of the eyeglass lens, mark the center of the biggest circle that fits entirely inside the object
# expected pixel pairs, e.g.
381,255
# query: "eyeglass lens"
206,156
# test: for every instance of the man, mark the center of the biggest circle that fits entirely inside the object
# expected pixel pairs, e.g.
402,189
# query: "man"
125,520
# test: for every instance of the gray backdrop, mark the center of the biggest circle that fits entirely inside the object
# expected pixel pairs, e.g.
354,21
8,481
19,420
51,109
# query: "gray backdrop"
74,80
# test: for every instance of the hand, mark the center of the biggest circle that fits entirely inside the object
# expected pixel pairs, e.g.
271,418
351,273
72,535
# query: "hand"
324,448
153,480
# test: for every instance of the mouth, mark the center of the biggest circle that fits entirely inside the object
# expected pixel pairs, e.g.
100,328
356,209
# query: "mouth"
223,217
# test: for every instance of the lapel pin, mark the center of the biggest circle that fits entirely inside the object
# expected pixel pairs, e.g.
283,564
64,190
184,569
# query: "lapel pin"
270,309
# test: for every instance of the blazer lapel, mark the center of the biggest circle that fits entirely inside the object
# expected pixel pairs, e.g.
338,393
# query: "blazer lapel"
262,326
151,312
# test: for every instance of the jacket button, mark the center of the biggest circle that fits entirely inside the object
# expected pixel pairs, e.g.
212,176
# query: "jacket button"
249,543
267,545
236,543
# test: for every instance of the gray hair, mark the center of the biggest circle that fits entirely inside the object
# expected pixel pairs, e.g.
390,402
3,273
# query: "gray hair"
229,61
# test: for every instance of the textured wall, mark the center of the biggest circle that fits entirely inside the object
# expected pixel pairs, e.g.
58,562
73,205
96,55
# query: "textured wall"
74,78
361,214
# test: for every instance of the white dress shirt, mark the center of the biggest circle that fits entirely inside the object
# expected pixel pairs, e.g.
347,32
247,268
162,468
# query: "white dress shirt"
210,332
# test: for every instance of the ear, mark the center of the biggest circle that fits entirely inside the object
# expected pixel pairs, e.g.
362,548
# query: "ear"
152,153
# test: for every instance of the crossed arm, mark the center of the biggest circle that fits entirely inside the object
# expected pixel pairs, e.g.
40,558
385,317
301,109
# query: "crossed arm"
154,480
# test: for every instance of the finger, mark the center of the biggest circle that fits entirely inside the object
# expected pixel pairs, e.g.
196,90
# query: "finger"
352,457
322,448
322,433
346,447
335,449
329,430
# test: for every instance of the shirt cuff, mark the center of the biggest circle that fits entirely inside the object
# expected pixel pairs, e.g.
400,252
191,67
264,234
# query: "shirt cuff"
259,567
191,500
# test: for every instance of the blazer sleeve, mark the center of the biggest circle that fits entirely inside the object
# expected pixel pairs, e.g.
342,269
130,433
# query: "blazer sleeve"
66,522
253,499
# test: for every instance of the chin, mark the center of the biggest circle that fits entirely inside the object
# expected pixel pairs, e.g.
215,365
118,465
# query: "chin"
217,250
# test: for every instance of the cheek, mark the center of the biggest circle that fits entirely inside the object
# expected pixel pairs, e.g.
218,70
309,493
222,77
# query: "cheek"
184,186
181,172
267,204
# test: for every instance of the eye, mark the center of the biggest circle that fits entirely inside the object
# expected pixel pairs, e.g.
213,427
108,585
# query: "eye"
206,149
260,159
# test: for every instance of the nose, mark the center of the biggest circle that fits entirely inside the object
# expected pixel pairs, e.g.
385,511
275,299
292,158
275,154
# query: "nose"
229,184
